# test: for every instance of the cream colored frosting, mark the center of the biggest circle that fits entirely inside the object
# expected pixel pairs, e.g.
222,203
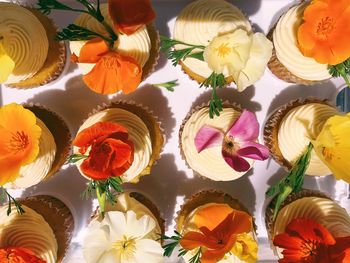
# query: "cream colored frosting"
189,225
138,134
287,51
24,40
298,127
203,20
36,171
137,45
209,162
29,230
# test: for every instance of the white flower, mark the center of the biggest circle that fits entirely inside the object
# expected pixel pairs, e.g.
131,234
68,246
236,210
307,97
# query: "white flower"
242,55
122,238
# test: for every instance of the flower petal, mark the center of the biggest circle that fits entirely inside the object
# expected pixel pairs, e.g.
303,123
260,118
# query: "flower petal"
111,256
138,228
192,240
236,162
241,223
147,250
212,215
215,255
246,127
340,252
7,65
208,137
9,171
92,51
114,72
254,151
129,16
117,223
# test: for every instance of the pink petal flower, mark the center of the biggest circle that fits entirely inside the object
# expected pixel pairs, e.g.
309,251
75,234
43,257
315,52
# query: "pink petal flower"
236,162
254,151
208,137
245,128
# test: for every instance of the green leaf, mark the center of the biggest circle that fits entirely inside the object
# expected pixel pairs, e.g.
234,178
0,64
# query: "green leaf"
341,70
74,158
197,55
89,191
197,257
4,194
168,85
169,247
46,6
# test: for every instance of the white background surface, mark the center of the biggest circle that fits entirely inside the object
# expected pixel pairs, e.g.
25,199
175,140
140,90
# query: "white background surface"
171,181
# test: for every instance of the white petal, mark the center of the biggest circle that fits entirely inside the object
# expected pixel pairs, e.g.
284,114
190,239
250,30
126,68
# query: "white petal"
110,257
117,223
138,228
148,250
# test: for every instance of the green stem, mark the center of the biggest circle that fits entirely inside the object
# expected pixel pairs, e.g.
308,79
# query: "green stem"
110,31
101,197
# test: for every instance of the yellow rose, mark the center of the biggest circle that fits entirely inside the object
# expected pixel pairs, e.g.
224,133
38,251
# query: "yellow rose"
246,248
242,55
6,64
333,146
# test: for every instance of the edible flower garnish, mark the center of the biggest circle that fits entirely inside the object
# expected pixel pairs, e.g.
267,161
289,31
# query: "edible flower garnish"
18,255
238,143
121,238
307,241
221,230
324,35
106,154
6,64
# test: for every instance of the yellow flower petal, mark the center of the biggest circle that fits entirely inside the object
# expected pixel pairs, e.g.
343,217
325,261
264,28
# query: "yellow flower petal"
246,248
7,65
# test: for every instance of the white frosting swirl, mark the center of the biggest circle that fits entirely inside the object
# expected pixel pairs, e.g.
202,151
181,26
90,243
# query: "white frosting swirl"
29,230
24,40
209,163
301,125
138,134
287,51
203,20
36,171
137,45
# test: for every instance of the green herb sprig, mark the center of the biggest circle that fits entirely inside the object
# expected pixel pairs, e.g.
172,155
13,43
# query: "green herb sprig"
5,195
341,70
168,85
74,158
292,183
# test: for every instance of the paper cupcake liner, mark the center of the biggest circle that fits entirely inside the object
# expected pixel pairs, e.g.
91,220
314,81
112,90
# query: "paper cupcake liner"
152,123
269,222
55,61
205,197
151,63
58,216
226,104
272,126
59,131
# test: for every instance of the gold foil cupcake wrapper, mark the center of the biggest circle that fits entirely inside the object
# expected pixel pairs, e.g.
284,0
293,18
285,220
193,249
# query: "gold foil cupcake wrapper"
152,61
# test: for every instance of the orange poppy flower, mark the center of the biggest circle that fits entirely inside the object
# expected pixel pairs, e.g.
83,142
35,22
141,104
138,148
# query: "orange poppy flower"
19,140
219,226
18,255
113,72
128,16
307,241
325,33
111,153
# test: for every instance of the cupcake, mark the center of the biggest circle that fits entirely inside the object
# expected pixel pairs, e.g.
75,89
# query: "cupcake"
36,143
120,142
223,148
307,223
310,41
30,57
129,232
213,226
127,56
43,232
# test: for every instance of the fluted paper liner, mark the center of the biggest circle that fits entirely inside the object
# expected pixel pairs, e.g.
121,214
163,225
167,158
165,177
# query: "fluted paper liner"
58,216
55,61
273,124
152,124
59,131
205,197
148,68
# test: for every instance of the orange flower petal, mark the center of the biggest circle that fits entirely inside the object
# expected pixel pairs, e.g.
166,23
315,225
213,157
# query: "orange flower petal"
215,255
211,216
128,16
192,240
114,72
18,255
9,170
92,51
242,223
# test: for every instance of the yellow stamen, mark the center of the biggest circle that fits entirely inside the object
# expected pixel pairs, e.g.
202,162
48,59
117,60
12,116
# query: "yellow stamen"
126,247
328,155
223,50
326,26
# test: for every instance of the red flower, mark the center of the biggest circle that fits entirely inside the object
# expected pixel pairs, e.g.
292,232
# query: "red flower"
129,15
18,255
307,241
111,153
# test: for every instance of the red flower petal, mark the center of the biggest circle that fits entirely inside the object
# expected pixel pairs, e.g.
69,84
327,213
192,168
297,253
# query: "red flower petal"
236,162
245,128
208,137
254,151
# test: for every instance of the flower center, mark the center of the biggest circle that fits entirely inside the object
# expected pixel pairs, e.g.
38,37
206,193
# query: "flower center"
310,249
327,154
19,142
223,50
126,247
230,145
325,26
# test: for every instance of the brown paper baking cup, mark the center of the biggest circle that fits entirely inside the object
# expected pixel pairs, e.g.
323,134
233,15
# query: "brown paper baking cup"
148,68
55,61
273,124
59,131
226,104
205,197
58,216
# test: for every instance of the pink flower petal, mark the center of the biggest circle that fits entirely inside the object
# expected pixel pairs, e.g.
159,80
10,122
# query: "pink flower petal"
246,127
254,151
208,137
236,162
